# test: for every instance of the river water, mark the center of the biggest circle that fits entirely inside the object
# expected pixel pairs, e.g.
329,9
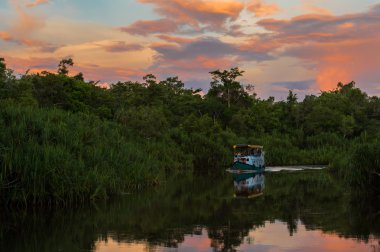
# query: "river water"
288,210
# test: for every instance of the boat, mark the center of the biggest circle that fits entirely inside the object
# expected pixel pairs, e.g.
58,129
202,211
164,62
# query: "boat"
249,185
248,157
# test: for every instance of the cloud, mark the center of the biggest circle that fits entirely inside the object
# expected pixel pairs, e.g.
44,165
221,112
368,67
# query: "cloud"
341,48
146,27
24,26
311,8
197,57
34,64
198,14
295,85
261,9
109,74
41,46
6,36
36,3
25,23
121,46
206,47
174,39
90,71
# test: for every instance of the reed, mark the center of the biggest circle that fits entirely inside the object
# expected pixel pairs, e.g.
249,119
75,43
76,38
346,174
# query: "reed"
49,155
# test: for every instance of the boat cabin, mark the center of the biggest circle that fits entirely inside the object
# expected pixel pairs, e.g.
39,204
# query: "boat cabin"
242,150
248,157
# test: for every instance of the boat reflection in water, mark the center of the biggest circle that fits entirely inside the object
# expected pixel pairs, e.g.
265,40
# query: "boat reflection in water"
249,184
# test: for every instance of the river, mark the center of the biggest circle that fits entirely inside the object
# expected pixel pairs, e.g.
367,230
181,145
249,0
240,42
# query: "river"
291,210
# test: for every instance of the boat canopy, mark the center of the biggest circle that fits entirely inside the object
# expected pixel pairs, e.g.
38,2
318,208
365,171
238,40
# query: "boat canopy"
248,146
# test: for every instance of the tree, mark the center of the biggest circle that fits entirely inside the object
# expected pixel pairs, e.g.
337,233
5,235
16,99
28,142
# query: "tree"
150,80
225,86
292,98
3,69
79,77
174,84
62,66
2,66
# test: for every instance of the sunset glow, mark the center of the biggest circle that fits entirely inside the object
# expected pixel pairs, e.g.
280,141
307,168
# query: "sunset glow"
316,43
270,238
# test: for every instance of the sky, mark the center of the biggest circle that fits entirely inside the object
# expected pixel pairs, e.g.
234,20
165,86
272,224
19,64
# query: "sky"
305,46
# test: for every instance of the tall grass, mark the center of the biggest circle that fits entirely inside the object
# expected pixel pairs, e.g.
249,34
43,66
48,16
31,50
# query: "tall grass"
57,157
359,167
49,155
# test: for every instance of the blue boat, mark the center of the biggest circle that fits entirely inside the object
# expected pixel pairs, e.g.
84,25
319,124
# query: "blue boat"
248,157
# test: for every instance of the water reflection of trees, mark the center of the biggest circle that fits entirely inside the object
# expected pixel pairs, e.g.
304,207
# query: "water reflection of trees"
182,207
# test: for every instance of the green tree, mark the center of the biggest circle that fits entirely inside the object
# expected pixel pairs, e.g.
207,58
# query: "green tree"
63,64
225,86
150,80
3,67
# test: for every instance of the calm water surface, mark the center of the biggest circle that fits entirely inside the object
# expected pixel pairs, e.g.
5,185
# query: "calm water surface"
278,211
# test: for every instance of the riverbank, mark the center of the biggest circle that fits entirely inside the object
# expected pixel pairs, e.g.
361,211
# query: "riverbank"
64,139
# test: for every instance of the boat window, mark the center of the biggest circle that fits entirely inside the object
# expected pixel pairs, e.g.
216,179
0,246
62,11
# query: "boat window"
242,152
256,152
247,152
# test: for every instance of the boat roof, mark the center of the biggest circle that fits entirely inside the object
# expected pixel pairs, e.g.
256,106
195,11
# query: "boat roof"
248,146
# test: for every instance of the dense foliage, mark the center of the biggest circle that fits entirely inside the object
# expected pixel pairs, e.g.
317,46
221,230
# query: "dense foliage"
65,138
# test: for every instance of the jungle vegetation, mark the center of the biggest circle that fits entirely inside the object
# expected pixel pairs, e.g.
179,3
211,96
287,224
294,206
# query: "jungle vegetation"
64,139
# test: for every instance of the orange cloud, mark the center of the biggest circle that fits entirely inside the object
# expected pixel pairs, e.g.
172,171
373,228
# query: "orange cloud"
174,39
311,8
346,25
146,27
341,48
34,64
25,23
36,3
261,9
197,13
90,71
121,46
5,36
42,46
24,26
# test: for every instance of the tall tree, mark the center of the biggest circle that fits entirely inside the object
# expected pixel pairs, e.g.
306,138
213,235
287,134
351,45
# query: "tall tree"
3,69
62,66
225,86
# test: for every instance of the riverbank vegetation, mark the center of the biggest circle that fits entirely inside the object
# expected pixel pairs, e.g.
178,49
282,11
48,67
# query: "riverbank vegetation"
64,139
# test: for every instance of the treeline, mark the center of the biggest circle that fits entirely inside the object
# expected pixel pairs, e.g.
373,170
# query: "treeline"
66,138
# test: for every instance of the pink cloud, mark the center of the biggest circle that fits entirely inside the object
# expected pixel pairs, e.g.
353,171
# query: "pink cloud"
40,45
174,39
36,3
146,27
34,64
24,26
25,23
109,74
90,72
342,48
121,46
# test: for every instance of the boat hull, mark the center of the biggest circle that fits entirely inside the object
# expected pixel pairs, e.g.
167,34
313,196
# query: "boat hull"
247,167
